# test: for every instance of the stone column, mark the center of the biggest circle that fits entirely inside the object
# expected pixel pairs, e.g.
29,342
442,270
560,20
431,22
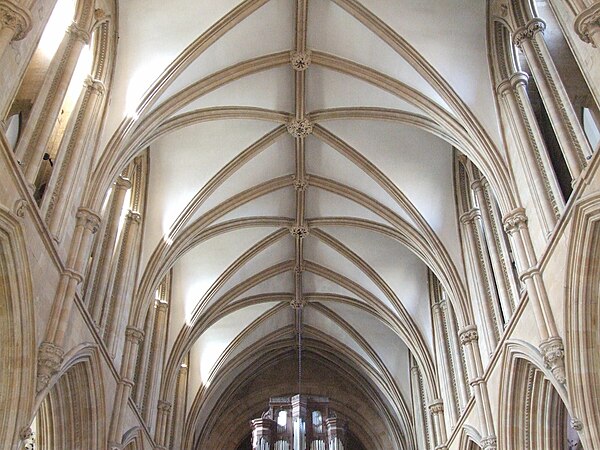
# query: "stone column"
420,425
70,156
478,279
179,413
531,149
133,337
444,363
493,246
570,135
15,23
515,224
468,338
162,419
46,109
109,241
436,409
587,25
155,365
123,268
51,353
456,353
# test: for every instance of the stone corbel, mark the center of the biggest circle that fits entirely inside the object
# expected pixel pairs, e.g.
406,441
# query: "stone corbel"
16,18
587,25
50,358
553,352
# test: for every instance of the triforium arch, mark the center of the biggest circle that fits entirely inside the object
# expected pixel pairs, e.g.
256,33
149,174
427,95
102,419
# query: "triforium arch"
581,318
71,409
17,326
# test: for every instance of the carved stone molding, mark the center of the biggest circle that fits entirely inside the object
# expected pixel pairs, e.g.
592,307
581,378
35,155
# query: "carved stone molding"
527,32
300,184
299,231
515,220
16,18
50,357
300,128
298,303
489,443
21,207
134,335
94,85
133,216
300,60
436,407
79,33
468,334
470,216
553,352
164,406
88,219
587,24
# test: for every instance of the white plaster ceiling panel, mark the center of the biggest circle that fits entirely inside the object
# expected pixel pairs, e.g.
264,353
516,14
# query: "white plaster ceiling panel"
270,89
325,161
403,271
265,31
318,320
275,161
150,37
324,255
282,283
182,162
449,34
197,270
324,204
280,251
279,203
316,284
388,345
255,337
210,345
418,163
334,31
328,89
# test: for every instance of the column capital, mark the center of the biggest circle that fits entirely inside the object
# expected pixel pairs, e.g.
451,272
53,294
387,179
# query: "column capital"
50,358
79,33
587,23
123,183
161,305
469,216
515,220
468,334
436,406
300,128
489,443
94,85
133,216
300,60
164,406
528,31
88,219
134,334
16,18
519,78
553,352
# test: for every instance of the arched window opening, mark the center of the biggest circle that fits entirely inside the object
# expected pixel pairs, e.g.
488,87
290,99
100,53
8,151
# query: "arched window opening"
570,73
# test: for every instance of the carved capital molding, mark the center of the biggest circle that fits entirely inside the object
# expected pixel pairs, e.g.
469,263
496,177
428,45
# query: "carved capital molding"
576,424
161,305
123,183
94,85
134,335
470,216
133,216
21,207
299,231
88,219
164,406
528,31
553,352
489,443
79,33
588,23
468,334
436,407
529,273
519,79
78,277
515,220
50,358
300,60
300,128
16,18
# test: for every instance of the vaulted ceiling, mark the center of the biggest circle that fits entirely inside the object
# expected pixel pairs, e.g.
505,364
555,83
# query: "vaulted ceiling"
301,152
